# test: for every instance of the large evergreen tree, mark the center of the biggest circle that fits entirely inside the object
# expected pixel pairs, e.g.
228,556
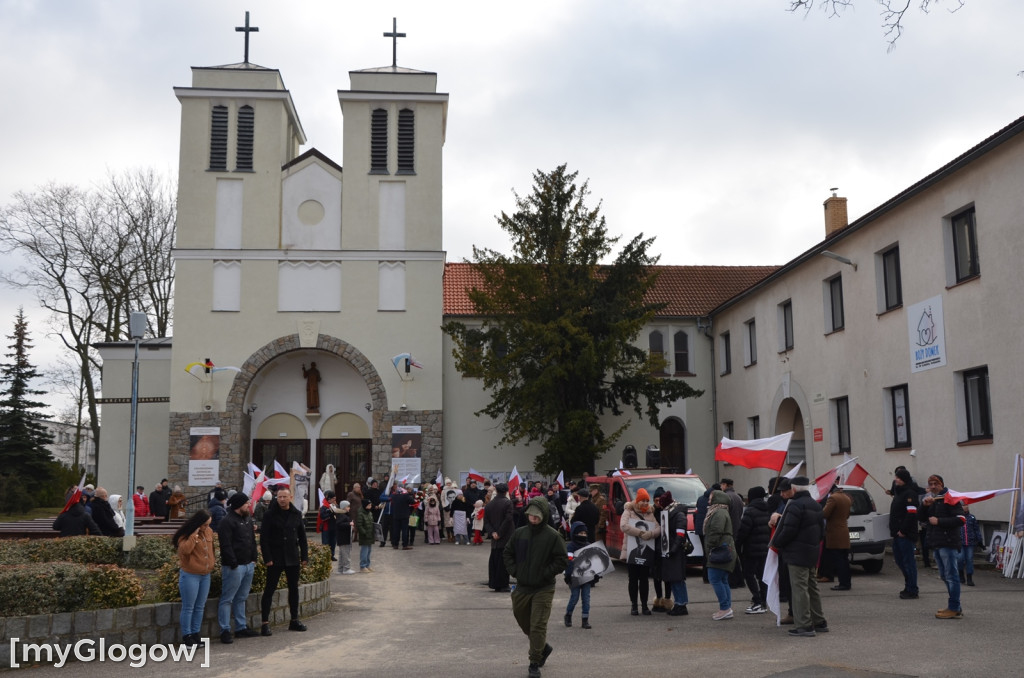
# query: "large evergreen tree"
556,347
25,463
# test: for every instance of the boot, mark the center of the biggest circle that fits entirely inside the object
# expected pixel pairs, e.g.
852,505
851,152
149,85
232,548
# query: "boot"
586,623
645,610
970,580
633,611
568,620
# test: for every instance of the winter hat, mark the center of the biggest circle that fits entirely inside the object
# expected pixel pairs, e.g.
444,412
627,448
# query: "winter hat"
237,500
641,495
784,484
343,505
219,494
904,475
534,510
267,496
665,500
756,492
370,481
367,503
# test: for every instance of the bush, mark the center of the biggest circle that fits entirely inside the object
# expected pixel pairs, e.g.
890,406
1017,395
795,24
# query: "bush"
65,587
149,552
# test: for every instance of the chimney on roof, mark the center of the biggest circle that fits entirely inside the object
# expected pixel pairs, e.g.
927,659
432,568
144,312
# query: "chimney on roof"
835,213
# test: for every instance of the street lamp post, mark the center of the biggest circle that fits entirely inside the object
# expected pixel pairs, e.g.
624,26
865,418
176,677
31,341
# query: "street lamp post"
136,328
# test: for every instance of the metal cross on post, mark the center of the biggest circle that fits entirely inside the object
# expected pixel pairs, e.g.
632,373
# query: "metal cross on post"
394,35
247,30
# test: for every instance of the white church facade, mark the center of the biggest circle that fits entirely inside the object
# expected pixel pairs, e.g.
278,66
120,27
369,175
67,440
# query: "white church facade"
286,259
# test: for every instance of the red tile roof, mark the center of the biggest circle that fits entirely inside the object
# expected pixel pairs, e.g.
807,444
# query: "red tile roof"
688,291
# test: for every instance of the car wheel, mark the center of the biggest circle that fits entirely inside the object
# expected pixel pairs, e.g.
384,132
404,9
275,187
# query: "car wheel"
872,566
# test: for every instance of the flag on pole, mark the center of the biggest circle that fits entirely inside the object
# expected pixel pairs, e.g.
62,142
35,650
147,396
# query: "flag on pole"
253,469
767,453
824,483
621,471
473,475
856,476
248,483
259,487
771,577
322,501
439,480
415,479
793,472
279,471
76,496
953,497
560,480
514,480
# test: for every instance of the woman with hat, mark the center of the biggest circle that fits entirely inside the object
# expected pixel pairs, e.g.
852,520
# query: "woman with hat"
640,527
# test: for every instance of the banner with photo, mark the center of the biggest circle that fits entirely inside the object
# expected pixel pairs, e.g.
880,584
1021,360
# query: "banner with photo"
406,455
203,456
589,562
640,551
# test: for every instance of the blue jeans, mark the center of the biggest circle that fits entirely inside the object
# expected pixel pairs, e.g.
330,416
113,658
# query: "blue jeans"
576,593
234,590
903,554
720,583
364,556
193,588
679,594
967,559
948,560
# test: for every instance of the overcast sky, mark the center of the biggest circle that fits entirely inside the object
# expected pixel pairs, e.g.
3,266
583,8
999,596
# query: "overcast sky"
716,126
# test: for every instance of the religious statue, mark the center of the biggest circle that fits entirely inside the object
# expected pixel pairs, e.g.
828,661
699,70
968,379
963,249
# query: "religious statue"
312,376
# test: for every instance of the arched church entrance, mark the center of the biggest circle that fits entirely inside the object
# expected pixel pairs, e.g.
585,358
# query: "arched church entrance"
307,420
790,418
673,445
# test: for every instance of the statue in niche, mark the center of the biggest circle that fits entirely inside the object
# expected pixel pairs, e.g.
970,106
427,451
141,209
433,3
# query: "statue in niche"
312,376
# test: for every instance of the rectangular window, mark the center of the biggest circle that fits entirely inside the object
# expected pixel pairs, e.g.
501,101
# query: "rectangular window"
977,405
656,348
834,300
406,139
379,141
219,138
840,425
726,360
750,343
246,131
893,287
965,246
785,325
727,430
753,428
898,417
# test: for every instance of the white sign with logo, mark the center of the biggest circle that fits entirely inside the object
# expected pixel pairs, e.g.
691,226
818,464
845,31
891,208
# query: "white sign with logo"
927,335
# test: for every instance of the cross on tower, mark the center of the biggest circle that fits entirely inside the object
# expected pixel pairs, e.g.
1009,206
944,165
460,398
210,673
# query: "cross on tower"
247,30
394,35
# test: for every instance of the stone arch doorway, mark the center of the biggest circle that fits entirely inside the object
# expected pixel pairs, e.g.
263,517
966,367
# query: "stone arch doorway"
672,440
788,417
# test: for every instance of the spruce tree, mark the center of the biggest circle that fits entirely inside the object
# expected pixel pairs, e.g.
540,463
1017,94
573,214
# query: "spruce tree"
25,462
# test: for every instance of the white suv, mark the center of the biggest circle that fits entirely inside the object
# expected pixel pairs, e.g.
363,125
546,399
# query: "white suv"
869,530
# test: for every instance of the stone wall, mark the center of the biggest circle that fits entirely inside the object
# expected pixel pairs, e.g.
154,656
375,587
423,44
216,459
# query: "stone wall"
156,623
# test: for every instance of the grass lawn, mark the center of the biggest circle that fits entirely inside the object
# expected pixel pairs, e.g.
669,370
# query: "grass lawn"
42,512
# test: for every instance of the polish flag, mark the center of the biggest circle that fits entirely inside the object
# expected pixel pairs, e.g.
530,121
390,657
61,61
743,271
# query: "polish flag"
856,476
953,497
514,480
621,471
279,471
767,453
439,480
323,502
824,482
473,475
794,472
76,496
560,480
259,487
248,482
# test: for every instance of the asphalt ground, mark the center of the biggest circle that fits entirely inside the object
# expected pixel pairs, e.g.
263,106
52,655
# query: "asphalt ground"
427,612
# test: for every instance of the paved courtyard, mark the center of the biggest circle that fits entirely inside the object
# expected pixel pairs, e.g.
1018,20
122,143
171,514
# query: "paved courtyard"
427,612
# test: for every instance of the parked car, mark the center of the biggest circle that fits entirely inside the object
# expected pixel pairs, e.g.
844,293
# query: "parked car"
685,489
869,530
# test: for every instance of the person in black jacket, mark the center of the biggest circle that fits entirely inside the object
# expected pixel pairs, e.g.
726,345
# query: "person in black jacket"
75,522
499,525
401,509
158,500
103,515
903,529
238,555
943,522
283,542
586,512
798,538
752,541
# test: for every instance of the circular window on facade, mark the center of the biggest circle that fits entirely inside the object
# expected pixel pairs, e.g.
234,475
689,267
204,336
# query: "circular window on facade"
311,213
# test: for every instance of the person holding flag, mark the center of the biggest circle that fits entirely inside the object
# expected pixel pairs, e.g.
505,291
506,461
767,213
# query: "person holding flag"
943,522
797,538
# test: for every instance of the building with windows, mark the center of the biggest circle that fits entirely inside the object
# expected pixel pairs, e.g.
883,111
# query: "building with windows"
896,338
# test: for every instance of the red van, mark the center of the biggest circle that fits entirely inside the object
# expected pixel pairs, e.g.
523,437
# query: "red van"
685,489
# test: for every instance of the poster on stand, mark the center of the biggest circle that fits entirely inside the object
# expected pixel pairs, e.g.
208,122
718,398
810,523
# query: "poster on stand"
203,456
406,455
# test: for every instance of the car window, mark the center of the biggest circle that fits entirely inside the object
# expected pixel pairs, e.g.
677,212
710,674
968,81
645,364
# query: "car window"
861,502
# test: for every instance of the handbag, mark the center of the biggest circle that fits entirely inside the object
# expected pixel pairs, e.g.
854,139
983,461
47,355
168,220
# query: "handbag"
414,521
721,554
687,545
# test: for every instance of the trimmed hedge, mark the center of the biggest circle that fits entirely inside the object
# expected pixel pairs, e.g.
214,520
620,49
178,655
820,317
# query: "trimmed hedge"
46,588
318,568
150,552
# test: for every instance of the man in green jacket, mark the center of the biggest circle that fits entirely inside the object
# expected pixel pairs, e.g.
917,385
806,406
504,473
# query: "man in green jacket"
535,555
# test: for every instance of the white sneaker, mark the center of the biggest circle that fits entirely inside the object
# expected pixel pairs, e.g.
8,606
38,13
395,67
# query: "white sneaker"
722,614
755,609
349,571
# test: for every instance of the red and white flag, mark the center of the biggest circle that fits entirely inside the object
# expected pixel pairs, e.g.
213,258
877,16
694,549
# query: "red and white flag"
76,496
258,488
560,480
767,453
793,472
953,497
474,475
621,471
439,480
514,480
824,482
771,577
856,476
